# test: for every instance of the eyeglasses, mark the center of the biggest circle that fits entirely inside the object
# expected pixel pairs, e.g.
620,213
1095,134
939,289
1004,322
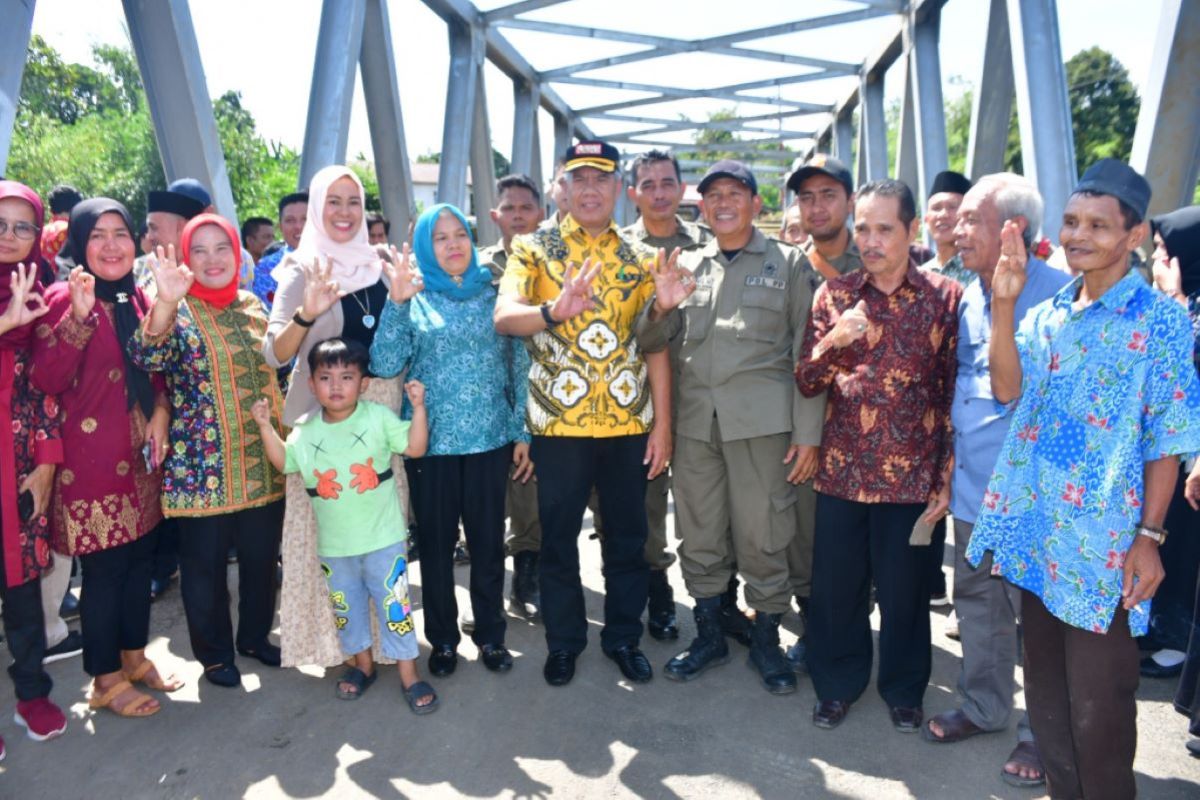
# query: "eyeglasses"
22,230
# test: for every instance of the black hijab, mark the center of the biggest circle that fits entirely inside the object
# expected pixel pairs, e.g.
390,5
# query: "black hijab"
122,293
1180,231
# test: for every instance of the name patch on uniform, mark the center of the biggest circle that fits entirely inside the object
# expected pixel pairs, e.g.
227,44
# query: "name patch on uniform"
762,280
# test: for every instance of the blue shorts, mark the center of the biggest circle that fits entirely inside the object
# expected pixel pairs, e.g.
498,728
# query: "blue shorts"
380,576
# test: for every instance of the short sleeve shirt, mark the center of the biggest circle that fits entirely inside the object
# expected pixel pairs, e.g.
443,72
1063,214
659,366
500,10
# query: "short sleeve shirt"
346,467
1104,390
588,377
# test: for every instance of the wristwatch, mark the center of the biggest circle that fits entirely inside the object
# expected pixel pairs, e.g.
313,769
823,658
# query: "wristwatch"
301,321
550,320
1150,532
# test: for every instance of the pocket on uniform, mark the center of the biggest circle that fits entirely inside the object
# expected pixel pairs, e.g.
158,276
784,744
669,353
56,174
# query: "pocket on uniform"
697,314
762,311
783,519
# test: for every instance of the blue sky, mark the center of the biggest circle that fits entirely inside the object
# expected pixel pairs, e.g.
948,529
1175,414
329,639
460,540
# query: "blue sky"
264,48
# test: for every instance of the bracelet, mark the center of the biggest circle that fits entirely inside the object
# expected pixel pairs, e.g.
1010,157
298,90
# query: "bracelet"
1157,529
301,321
550,320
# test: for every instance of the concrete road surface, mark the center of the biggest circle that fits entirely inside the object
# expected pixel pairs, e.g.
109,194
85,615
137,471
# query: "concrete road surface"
284,734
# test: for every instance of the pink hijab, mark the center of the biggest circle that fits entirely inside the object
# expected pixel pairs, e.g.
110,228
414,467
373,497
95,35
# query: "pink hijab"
356,263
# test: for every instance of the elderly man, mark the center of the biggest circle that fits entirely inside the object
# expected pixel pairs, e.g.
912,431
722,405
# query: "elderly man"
746,436
518,211
881,341
825,196
988,608
577,290
791,227
1107,398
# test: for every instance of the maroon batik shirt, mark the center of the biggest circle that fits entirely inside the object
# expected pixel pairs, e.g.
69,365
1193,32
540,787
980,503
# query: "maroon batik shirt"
887,435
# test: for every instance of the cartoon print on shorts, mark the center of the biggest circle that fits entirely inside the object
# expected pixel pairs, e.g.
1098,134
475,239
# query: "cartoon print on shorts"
397,607
338,600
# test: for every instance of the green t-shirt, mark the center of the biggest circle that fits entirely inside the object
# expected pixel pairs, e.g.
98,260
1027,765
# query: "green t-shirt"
346,467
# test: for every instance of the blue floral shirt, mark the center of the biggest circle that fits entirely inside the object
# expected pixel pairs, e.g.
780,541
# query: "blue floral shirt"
1104,390
476,381
264,285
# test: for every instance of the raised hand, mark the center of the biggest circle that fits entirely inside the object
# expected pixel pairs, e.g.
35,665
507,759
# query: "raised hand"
404,278
1009,278
261,412
576,296
82,285
320,290
672,283
19,313
851,326
171,278
416,393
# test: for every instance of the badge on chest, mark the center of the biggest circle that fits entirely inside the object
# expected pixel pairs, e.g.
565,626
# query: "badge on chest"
766,281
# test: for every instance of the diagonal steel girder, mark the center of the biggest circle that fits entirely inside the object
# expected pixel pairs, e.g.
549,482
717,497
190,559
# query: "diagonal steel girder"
513,9
672,125
666,93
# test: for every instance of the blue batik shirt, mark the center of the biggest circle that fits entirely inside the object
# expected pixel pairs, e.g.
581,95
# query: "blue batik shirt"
1104,390
264,285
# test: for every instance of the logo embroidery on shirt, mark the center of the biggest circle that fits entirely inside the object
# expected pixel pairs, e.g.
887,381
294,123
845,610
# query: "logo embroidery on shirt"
770,269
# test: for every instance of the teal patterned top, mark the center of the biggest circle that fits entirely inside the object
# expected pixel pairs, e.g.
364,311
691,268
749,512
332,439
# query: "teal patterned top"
476,380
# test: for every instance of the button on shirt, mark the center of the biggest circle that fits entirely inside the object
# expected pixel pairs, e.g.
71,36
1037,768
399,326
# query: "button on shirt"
980,423
742,330
887,435
588,377
1104,390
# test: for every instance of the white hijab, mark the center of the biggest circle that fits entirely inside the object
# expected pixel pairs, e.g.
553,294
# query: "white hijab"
356,263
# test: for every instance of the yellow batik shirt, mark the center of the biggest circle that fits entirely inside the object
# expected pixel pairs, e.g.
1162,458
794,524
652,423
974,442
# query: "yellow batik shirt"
588,377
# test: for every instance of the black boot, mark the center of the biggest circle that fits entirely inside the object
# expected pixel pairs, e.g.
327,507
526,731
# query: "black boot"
734,623
660,618
525,599
708,649
767,658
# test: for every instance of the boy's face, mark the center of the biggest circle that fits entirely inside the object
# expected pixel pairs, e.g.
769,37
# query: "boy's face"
337,387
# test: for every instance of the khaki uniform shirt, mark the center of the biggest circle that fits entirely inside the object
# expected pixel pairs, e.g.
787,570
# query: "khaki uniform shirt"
742,330
495,258
848,261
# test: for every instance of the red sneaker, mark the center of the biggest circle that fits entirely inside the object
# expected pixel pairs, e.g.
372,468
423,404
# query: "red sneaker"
3,753
41,719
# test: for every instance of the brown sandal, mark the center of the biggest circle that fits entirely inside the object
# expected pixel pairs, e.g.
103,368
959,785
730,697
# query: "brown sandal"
136,707
955,726
1025,754
168,684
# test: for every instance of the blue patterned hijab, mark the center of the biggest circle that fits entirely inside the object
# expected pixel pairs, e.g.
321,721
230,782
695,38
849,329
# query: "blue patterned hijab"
475,279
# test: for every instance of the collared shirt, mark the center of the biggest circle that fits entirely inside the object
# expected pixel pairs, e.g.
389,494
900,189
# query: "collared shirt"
495,258
264,285
742,330
887,436
588,377
1104,390
687,235
952,269
847,262
980,423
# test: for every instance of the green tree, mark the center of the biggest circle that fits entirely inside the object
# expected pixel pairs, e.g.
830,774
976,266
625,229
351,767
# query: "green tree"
708,141
1104,107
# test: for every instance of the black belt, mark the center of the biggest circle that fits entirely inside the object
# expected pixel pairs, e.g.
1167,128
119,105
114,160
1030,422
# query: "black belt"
383,476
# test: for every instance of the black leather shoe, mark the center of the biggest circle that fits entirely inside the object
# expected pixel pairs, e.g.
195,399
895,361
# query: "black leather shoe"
828,714
633,663
496,657
1152,669
265,652
560,668
443,661
225,675
907,720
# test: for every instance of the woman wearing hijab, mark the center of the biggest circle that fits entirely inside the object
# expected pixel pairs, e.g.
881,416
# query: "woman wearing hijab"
1175,610
206,337
29,450
475,388
331,285
114,425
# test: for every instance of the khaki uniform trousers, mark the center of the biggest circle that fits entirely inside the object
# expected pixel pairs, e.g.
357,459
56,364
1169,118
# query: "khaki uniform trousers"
524,527
737,487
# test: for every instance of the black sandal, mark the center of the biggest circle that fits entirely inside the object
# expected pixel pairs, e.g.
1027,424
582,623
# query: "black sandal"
417,691
360,680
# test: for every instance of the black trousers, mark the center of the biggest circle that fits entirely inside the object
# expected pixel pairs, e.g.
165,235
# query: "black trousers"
114,603
567,468
25,632
471,488
203,579
855,543
1081,689
937,554
166,550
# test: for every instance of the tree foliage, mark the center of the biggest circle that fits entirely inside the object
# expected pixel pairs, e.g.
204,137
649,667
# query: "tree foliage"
708,141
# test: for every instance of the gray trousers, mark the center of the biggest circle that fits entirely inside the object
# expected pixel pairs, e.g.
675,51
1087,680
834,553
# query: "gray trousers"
988,609
54,589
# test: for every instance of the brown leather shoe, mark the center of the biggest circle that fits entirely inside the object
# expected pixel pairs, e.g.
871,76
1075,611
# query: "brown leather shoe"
828,714
907,720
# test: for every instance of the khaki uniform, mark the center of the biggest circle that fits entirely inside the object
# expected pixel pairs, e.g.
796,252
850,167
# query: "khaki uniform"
848,261
524,529
738,413
688,236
